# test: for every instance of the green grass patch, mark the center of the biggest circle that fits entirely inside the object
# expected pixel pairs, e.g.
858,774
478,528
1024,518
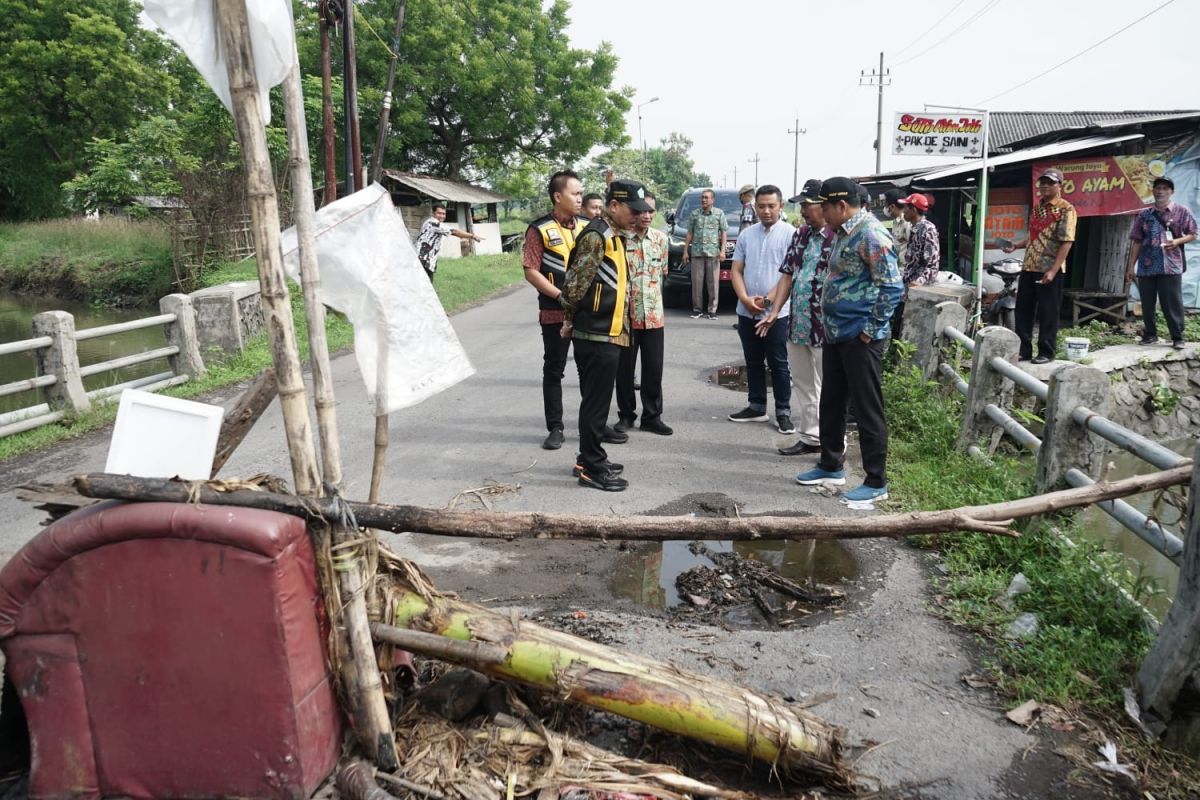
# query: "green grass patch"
460,283
1090,640
110,261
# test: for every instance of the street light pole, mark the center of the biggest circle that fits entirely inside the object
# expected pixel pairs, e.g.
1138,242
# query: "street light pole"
796,155
641,138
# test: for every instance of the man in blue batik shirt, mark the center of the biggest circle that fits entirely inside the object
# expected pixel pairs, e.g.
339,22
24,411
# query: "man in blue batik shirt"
862,287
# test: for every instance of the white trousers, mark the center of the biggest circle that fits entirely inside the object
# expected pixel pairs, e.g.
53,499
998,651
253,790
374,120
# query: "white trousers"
805,363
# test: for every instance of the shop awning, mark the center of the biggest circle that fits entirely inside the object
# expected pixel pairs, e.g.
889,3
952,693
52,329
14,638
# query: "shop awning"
1021,156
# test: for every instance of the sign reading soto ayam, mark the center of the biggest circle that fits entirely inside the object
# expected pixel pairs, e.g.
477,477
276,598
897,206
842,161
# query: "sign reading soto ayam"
930,135
1105,185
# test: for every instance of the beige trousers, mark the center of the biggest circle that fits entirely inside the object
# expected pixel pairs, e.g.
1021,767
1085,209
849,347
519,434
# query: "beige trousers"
805,363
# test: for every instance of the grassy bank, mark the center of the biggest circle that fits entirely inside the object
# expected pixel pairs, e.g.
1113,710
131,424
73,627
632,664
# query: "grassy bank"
460,284
1090,640
113,261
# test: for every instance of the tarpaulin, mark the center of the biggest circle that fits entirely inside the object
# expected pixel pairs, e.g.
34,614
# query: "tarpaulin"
370,273
192,26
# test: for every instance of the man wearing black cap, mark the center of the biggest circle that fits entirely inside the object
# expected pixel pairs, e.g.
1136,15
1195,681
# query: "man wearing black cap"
595,298
1040,287
860,294
1157,239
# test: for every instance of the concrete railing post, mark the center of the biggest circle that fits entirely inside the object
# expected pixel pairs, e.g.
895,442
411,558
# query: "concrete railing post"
986,385
182,334
947,314
1067,444
1174,659
61,360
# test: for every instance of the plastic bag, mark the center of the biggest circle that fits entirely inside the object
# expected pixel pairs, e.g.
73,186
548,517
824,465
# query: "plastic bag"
370,272
192,26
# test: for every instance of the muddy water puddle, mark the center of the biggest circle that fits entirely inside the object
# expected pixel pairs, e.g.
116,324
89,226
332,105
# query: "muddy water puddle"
718,588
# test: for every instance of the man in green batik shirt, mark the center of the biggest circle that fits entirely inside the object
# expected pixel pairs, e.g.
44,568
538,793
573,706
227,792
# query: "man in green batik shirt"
705,247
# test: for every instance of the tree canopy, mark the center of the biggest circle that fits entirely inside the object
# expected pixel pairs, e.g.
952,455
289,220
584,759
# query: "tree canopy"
668,169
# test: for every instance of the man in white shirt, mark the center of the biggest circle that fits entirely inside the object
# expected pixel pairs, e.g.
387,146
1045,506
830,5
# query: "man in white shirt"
429,241
757,257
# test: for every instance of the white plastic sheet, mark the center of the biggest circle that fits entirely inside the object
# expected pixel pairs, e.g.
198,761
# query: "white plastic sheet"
191,24
407,350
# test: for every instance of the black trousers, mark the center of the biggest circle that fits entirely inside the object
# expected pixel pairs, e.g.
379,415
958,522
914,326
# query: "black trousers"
1166,290
554,364
898,321
1043,301
597,362
852,373
650,343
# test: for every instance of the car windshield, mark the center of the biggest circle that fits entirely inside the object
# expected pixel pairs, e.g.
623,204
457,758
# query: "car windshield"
726,202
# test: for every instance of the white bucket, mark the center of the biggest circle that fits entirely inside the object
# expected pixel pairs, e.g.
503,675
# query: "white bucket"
1077,347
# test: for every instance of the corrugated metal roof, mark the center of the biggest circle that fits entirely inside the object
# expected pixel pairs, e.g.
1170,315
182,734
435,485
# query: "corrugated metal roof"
1009,127
443,189
1021,156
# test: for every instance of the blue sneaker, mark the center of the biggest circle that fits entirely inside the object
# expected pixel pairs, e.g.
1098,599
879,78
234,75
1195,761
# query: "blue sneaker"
817,476
866,494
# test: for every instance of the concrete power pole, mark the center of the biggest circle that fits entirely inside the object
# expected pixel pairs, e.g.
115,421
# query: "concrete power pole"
796,155
755,161
881,78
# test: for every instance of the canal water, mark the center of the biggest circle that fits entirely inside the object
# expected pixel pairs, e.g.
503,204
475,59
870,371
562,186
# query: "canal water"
1141,557
16,322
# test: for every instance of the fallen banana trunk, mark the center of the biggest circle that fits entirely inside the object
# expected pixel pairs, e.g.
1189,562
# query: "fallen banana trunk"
992,519
792,741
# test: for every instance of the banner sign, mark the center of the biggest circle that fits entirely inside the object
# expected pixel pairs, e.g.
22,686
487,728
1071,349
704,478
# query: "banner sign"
1005,225
931,135
1106,185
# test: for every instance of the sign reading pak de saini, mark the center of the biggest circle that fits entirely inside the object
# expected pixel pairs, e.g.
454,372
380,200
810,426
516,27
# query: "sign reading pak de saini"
932,135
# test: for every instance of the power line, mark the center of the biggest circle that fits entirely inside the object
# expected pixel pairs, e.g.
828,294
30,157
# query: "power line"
1077,55
927,31
987,7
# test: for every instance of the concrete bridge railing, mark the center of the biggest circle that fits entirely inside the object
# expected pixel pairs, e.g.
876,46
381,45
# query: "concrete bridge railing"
59,375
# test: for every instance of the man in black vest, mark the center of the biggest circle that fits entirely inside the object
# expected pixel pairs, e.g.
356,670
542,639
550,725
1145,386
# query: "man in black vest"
595,298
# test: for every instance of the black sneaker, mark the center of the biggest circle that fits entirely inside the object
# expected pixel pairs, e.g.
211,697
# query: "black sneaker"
697,314
712,317
748,414
657,426
784,423
1148,340
1041,360
611,466
1177,345
613,436
554,440
607,481
623,425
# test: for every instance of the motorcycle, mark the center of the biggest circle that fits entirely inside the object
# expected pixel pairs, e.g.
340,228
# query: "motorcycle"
1000,292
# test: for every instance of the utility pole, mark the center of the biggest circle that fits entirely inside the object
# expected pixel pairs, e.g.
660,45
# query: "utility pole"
353,151
329,19
735,183
755,161
385,119
796,156
881,79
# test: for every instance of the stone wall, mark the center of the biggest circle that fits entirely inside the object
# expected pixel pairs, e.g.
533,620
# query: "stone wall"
228,315
1133,391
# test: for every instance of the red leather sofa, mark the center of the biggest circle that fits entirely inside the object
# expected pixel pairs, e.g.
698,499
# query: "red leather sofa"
168,650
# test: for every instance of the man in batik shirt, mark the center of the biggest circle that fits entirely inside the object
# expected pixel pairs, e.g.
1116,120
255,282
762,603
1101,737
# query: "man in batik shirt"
801,278
1040,287
922,256
861,290
646,254
1157,239
429,241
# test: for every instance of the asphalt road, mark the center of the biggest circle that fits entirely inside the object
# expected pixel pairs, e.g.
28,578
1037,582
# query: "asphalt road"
884,651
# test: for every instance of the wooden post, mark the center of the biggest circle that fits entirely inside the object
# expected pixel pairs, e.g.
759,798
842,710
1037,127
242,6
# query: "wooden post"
264,212
1168,682
243,415
361,676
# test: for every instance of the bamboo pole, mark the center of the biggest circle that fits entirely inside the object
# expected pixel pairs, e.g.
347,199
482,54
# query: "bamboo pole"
656,693
360,673
991,519
264,213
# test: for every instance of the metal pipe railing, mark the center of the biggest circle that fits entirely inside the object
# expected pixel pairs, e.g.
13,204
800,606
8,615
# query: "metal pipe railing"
136,383
30,423
954,333
16,387
25,345
1141,526
1012,427
9,417
123,327
1020,377
128,361
1145,449
962,386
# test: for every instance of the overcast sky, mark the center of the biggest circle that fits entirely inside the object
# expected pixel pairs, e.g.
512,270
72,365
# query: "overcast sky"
734,76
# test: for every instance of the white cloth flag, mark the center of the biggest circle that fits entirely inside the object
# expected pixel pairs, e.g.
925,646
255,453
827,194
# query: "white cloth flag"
192,26
370,273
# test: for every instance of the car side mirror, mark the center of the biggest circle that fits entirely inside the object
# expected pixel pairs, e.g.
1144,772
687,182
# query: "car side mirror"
669,217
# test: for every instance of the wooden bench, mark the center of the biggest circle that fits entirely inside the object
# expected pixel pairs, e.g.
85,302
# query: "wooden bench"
1089,304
